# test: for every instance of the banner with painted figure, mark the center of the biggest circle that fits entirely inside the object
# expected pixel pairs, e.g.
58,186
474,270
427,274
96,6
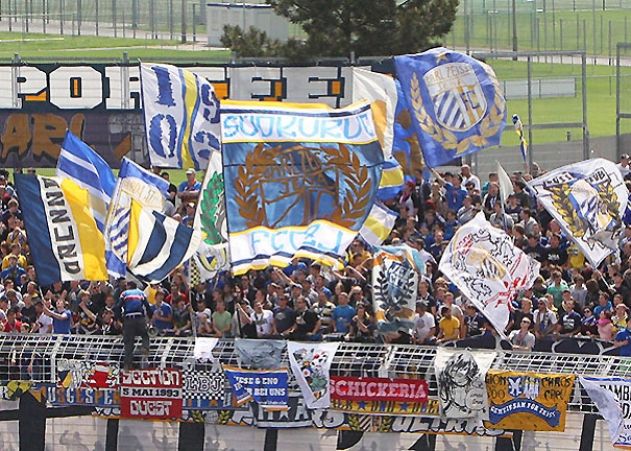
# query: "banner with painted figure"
461,382
310,363
395,276
612,397
300,180
210,218
181,117
456,102
64,239
588,200
259,354
528,401
488,269
268,388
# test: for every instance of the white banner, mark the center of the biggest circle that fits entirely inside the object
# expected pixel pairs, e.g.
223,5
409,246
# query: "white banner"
588,200
612,396
310,363
203,350
461,378
488,269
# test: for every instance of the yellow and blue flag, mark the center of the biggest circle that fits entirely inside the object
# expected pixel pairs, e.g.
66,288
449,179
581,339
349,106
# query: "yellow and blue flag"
181,117
93,179
64,238
456,104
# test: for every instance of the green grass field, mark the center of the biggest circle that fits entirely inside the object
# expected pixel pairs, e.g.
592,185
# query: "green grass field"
538,30
34,47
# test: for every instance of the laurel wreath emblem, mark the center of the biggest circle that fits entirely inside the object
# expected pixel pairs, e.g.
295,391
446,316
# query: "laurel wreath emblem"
211,207
348,212
559,195
489,126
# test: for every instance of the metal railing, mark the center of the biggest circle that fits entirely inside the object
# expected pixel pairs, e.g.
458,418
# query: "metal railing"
34,358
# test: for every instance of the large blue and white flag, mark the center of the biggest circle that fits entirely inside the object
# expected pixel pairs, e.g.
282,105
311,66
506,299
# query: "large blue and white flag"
80,164
156,244
457,106
300,180
181,117
63,236
588,200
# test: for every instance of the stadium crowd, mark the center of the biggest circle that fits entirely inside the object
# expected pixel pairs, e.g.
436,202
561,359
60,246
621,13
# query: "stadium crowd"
306,301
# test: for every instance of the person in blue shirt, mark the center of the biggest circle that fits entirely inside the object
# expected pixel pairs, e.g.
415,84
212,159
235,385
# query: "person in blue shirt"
623,340
62,317
162,318
135,310
342,315
454,194
189,189
13,271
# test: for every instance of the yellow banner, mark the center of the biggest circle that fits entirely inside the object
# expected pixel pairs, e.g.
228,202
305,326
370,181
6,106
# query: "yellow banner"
528,401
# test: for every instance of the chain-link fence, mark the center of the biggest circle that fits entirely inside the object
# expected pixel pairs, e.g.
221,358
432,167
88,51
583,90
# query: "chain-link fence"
542,25
157,19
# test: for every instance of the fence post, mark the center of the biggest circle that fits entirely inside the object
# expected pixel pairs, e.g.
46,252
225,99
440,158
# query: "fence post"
561,38
584,94
170,19
618,149
609,43
61,16
194,23
593,27
530,141
601,35
44,16
114,18
78,17
577,33
96,15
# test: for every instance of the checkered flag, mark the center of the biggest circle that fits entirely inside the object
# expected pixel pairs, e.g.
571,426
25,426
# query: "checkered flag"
194,277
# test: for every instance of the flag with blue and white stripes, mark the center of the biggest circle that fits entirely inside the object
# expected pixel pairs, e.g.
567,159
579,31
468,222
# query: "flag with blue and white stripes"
157,244
79,163
134,183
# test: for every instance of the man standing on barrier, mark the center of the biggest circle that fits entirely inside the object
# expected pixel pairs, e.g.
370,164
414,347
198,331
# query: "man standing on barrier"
135,310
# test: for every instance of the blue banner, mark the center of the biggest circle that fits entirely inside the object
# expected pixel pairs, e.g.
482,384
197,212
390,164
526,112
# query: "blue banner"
300,180
268,388
456,104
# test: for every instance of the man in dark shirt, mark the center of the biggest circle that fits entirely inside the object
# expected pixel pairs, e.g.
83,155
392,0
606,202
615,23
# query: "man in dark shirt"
554,254
307,326
284,317
534,249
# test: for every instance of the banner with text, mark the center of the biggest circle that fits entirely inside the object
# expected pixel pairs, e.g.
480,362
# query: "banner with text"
528,401
268,388
151,394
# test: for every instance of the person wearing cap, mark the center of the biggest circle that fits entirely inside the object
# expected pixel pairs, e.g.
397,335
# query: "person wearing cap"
189,217
448,326
189,189
135,310
424,325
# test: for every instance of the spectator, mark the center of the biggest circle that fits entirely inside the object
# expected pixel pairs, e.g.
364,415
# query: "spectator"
606,329
473,320
589,322
524,312
579,291
62,318
570,319
324,309
307,324
181,319
13,271
43,323
556,288
342,315
623,340
162,319
284,317
87,323
263,320
424,325
188,191
620,317
604,304
12,325
362,328
545,321
448,326
109,324
522,339
221,320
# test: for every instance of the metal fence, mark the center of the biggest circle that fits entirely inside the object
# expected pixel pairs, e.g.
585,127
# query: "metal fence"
542,25
158,19
34,358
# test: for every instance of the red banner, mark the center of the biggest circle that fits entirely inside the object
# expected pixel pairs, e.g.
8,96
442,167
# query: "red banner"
153,394
377,389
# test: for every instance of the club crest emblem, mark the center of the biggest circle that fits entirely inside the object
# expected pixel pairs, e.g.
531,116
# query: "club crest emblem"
459,102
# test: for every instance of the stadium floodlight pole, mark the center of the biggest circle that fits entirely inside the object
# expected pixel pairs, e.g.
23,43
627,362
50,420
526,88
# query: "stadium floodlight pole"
183,21
513,7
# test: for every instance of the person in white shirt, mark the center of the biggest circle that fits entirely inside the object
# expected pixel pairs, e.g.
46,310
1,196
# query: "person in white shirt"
424,325
623,165
468,176
263,320
522,339
43,323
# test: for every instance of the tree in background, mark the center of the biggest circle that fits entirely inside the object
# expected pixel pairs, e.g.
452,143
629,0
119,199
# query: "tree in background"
369,27
339,27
